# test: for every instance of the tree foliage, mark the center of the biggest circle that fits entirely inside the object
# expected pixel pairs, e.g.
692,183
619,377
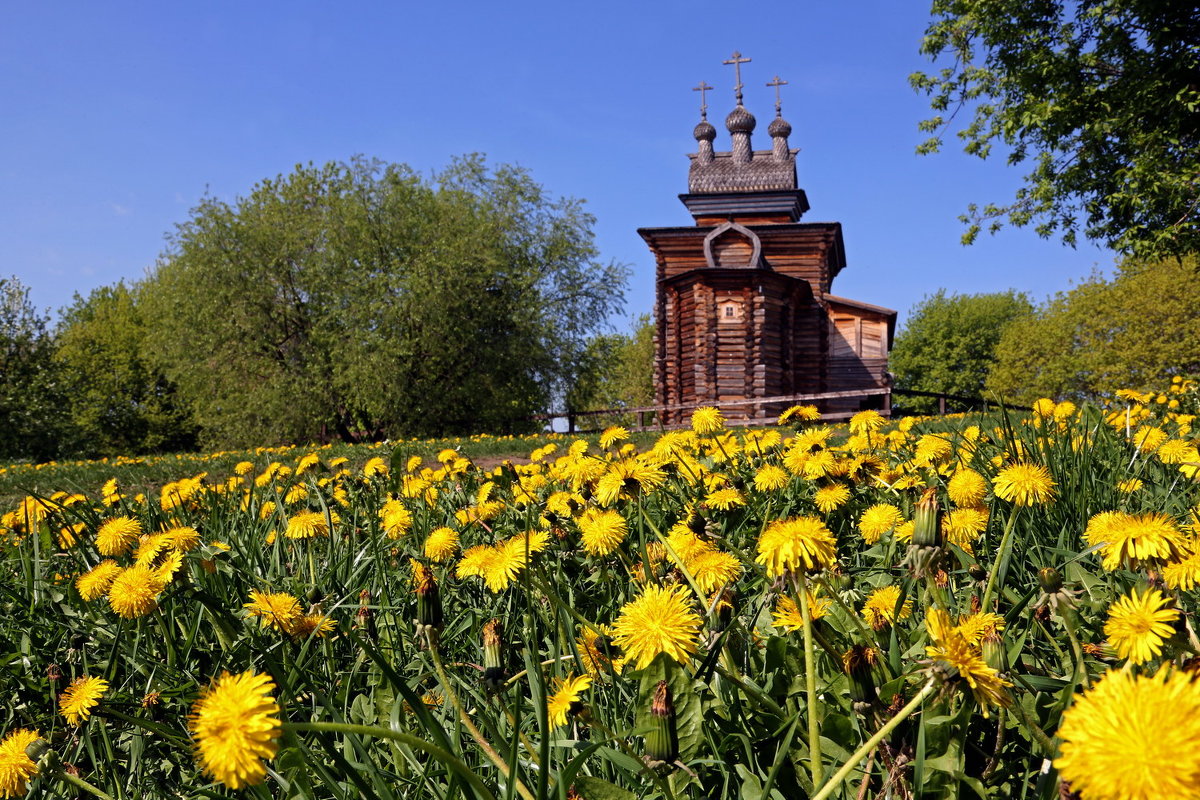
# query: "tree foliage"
119,402
359,300
32,401
948,343
1134,330
1102,97
616,370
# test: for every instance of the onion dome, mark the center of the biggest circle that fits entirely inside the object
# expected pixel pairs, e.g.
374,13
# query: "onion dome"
740,120
704,131
779,128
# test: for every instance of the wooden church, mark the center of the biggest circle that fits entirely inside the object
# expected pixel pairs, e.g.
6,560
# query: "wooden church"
744,309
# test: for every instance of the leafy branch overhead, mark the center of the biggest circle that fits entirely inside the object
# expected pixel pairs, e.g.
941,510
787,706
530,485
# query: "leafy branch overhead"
1100,97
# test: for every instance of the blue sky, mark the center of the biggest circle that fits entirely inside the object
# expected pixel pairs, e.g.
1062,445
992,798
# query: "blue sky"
118,116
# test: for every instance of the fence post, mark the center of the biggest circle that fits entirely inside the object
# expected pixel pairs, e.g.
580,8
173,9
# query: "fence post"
570,422
887,404
942,405
642,420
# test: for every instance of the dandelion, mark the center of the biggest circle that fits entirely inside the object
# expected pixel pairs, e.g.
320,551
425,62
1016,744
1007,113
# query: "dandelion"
799,414
235,724
441,544
95,581
962,526
829,498
770,478
714,569
866,421
966,487
627,479
1130,485
597,652
278,610
1184,574
375,466
955,653
787,615
878,520
16,767
134,593
395,519
724,499
788,544
1024,485
117,535
661,620
613,435
707,420
883,607
1133,737
312,625
1138,623
566,699
306,525
602,531
1134,540
77,700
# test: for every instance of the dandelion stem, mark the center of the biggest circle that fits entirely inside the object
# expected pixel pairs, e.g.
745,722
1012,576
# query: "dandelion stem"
810,680
80,783
870,745
1005,542
483,743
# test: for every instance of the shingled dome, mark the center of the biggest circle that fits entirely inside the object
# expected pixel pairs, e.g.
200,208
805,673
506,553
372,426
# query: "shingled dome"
740,121
779,128
705,132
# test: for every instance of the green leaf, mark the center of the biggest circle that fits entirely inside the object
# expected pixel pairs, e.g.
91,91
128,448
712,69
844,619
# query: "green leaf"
595,789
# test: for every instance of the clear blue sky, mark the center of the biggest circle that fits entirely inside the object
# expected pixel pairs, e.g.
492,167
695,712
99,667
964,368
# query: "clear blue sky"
117,116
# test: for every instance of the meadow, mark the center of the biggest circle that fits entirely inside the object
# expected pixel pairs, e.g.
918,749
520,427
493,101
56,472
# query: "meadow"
967,607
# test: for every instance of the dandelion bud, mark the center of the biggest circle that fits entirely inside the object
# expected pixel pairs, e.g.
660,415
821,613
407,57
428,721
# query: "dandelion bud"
37,749
1049,579
993,651
927,530
662,742
859,662
429,600
493,655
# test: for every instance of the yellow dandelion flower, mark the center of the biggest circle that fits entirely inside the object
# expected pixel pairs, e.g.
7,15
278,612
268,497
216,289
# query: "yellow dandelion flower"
601,531
566,698
799,414
866,421
613,435
932,448
441,544
95,582
1148,438
832,497
627,479
771,478
724,499
787,615
878,520
1135,539
883,607
714,569
80,697
183,538
1176,451
707,420
149,548
134,593
966,662
312,625
117,535
660,620
16,767
1130,485
375,466
509,558
1024,484
962,526
243,467
306,525
279,610
395,519
1138,623
1133,737
685,544
966,487
235,724
790,544
597,652
1184,574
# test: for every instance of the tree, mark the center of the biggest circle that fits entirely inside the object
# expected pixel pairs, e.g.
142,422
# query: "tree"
361,301
119,402
1101,96
32,401
948,343
1134,330
617,370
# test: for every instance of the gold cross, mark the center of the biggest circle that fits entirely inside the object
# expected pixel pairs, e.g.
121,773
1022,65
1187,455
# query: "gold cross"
702,88
778,103
737,62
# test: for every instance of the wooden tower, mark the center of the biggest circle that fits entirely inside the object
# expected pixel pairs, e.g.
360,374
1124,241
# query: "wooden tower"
743,305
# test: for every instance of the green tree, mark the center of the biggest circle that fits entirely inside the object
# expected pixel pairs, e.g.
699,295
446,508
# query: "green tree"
948,344
616,371
359,300
1134,330
33,424
119,402
1102,97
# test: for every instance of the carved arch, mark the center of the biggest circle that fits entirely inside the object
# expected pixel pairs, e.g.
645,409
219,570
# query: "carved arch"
715,255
